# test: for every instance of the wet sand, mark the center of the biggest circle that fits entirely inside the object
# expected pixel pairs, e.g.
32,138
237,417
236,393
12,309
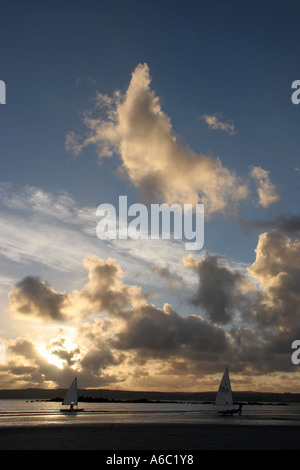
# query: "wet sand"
177,437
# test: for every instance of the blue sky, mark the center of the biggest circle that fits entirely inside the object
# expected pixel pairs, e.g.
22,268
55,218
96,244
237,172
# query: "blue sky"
222,74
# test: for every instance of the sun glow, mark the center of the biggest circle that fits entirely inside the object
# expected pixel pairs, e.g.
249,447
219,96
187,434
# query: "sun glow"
61,352
49,356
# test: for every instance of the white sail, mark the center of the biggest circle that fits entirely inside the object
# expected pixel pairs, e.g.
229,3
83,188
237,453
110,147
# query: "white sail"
224,395
71,395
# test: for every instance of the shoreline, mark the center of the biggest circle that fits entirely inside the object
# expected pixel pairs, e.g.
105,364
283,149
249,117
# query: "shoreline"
151,437
124,395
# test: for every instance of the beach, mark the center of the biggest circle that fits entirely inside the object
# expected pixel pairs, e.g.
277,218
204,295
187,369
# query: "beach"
147,426
151,437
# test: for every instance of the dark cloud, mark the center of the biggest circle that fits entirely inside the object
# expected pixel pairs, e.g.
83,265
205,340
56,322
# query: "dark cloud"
34,297
97,359
162,332
23,347
287,224
219,289
99,353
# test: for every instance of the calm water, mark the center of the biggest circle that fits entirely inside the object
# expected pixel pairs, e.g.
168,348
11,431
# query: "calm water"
20,413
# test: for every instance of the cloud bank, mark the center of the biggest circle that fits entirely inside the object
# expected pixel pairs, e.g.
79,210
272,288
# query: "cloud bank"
245,317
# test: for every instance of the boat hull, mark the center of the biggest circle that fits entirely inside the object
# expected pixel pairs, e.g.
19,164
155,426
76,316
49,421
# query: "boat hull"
225,411
72,411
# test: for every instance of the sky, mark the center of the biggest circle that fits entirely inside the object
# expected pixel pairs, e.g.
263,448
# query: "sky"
166,102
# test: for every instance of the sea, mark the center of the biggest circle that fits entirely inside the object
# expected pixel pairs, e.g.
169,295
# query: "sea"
20,412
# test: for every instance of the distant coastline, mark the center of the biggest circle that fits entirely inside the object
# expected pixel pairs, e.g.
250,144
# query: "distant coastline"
104,395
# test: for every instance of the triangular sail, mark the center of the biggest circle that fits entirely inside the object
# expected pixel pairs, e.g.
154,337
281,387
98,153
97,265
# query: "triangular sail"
71,395
224,395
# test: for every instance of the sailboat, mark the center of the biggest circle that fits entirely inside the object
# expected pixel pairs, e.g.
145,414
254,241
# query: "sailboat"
71,398
224,398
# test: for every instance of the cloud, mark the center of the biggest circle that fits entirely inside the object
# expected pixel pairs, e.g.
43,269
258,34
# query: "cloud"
214,122
277,269
52,232
59,348
58,206
139,326
155,332
37,226
131,331
152,157
267,191
33,297
173,279
287,224
221,290
245,317
105,290
28,366
265,295
260,305
23,347
99,354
